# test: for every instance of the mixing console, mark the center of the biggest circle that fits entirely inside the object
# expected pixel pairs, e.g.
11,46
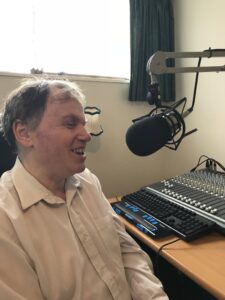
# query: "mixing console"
188,205
201,191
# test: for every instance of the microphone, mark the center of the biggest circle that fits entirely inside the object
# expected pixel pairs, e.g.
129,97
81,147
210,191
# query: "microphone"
151,132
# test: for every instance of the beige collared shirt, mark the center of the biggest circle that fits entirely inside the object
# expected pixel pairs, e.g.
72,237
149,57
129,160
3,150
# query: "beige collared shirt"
74,250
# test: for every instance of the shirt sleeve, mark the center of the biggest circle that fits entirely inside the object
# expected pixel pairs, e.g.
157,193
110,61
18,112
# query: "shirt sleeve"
18,280
138,268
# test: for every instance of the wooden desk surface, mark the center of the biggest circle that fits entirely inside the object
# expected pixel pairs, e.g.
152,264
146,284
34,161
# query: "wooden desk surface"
202,260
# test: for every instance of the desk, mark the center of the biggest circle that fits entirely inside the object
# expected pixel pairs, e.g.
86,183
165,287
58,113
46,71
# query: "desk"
202,260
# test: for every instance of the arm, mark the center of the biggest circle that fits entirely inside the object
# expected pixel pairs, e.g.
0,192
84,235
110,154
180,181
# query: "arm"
18,280
138,267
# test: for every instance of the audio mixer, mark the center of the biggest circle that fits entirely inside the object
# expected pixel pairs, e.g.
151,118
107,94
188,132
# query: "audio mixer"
190,205
200,191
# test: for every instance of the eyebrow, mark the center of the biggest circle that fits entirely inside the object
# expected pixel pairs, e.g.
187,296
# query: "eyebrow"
74,118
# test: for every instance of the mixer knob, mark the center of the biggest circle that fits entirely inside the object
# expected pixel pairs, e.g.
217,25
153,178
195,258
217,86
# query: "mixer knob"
192,202
164,182
197,204
175,195
188,200
202,206
208,208
213,211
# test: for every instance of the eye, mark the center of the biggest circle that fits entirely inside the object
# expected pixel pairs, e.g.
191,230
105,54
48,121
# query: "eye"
70,124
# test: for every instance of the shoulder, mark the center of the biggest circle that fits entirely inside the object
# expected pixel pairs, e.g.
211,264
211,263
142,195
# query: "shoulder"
6,180
10,206
6,187
9,212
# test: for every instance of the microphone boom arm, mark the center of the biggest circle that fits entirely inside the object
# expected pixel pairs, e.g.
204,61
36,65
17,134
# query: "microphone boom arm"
156,64
164,125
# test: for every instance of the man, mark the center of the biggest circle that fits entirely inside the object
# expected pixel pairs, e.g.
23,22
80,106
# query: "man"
59,237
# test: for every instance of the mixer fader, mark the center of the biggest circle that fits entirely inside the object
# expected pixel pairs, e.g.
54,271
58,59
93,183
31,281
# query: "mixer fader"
201,191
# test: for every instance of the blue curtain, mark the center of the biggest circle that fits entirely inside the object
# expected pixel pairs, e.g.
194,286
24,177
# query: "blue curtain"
151,29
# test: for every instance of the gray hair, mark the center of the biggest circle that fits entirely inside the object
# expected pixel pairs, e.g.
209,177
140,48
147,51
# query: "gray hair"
28,102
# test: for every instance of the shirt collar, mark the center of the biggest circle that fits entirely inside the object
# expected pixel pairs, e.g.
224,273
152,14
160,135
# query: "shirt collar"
31,191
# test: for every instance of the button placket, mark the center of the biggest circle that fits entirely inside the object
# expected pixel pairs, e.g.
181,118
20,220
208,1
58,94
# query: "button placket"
93,253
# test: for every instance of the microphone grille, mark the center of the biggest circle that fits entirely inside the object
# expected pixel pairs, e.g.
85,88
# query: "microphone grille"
148,135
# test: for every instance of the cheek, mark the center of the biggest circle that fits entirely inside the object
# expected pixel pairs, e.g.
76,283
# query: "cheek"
46,141
42,138
53,144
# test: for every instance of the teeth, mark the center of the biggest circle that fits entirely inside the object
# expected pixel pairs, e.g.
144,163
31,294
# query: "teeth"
79,151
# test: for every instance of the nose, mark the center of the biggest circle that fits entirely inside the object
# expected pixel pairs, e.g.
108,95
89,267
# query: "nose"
84,135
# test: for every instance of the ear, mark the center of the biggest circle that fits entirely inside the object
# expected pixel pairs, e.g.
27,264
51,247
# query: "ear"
22,133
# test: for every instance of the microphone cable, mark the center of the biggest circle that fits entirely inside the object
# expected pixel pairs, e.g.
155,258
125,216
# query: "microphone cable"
210,163
197,73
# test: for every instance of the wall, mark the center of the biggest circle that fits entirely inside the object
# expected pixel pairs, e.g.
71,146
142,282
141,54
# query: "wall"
119,170
200,25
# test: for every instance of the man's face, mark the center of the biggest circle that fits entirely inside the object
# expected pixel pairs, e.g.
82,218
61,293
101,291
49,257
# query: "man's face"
60,139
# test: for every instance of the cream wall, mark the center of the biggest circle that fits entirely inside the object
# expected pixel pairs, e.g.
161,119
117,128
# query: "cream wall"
200,25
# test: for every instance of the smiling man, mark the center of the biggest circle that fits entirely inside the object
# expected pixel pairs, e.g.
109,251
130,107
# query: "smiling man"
59,237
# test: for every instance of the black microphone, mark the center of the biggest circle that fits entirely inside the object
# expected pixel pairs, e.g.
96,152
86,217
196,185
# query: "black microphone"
150,133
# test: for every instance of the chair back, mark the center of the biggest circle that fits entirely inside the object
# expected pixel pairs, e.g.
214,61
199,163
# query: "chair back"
7,157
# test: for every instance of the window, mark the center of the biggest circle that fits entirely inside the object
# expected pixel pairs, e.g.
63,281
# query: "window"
71,36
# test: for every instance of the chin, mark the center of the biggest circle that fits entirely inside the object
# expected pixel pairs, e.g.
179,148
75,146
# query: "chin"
79,169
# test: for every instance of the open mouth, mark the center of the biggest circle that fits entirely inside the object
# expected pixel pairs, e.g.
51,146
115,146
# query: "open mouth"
78,151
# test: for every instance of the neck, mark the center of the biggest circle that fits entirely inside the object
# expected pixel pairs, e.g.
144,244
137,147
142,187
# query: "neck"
53,183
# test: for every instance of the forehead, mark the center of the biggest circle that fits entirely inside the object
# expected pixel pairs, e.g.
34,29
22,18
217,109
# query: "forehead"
63,94
60,103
